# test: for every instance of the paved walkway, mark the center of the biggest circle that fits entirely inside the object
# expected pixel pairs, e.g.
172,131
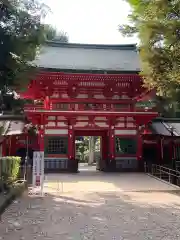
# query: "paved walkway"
93,205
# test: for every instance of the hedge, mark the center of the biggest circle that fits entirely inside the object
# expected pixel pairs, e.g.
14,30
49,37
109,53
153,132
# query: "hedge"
9,170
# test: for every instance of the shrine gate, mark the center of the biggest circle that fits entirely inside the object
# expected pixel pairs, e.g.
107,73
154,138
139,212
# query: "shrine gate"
89,90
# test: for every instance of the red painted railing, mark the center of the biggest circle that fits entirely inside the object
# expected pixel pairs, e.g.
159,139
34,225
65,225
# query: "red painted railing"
85,107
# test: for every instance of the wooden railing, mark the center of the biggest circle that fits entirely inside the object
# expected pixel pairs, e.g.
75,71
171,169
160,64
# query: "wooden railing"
87,107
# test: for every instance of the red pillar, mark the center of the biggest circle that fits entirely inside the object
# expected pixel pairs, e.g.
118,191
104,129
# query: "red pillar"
111,143
47,103
41,140
41,134
71,143
139,146
140,150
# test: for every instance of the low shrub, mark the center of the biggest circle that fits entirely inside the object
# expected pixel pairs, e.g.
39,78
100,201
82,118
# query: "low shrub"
9,170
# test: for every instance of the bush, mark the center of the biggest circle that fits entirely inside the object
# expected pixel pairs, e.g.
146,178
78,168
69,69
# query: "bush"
9,169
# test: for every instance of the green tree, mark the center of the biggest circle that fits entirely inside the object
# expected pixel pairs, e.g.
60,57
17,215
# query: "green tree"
52,34
157,24
21,34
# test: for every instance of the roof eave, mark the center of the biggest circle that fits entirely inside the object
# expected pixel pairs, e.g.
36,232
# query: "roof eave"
92,46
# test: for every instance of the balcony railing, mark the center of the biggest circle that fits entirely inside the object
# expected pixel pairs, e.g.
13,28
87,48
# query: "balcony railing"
86,107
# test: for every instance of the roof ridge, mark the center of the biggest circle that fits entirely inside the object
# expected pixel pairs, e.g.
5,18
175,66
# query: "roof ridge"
132,46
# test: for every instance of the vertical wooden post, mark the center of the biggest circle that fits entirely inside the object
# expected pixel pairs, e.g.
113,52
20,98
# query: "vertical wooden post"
139,149
41,134
41,140
47,103
71,143
72,162
111,142
139,146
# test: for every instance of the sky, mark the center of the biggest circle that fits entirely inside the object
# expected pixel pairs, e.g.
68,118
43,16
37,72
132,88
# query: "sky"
90,21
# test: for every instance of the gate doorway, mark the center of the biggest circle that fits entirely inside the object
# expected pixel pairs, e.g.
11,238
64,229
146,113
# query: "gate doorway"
89,154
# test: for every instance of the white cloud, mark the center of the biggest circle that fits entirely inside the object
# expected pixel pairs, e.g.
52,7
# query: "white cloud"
90,21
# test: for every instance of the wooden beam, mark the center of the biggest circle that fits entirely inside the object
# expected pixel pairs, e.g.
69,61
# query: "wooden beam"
138,116
91,100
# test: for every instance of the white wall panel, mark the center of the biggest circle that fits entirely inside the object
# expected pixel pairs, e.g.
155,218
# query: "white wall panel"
125,132
56,131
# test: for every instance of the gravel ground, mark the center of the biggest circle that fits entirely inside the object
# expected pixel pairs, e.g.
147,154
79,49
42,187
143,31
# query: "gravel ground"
107,214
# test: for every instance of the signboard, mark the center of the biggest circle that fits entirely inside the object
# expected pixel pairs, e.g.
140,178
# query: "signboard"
38,171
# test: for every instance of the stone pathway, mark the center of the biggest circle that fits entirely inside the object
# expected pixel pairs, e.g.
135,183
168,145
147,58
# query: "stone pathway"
80,212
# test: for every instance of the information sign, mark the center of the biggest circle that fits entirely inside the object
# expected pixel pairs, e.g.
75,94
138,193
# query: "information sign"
38,171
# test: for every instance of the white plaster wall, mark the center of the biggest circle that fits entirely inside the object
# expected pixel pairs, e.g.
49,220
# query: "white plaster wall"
51,118
61,118
130,119
125,132
61,124
81,124
82,96
51,124
116,97
99,96
120,125
121,118
101,124
56,131
100,118
130,124
64,95
82,118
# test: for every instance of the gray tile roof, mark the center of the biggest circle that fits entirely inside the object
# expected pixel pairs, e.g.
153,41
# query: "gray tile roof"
12,127
164,128
89,57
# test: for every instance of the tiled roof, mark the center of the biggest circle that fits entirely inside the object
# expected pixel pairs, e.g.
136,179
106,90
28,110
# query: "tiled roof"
89,57
166,127
11,125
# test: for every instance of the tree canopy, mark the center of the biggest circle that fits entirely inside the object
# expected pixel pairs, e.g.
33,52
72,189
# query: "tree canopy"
157,24
21,35
52,34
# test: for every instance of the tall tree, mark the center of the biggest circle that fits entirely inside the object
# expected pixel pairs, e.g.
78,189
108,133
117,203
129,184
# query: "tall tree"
157,24
21,34
52,34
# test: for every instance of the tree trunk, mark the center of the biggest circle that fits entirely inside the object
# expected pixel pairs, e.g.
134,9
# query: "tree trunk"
91,151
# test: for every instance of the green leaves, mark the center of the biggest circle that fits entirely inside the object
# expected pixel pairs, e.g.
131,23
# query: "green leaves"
52,34
157,24
21,35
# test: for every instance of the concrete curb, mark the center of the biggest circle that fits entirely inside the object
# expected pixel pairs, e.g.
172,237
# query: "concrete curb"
14,193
